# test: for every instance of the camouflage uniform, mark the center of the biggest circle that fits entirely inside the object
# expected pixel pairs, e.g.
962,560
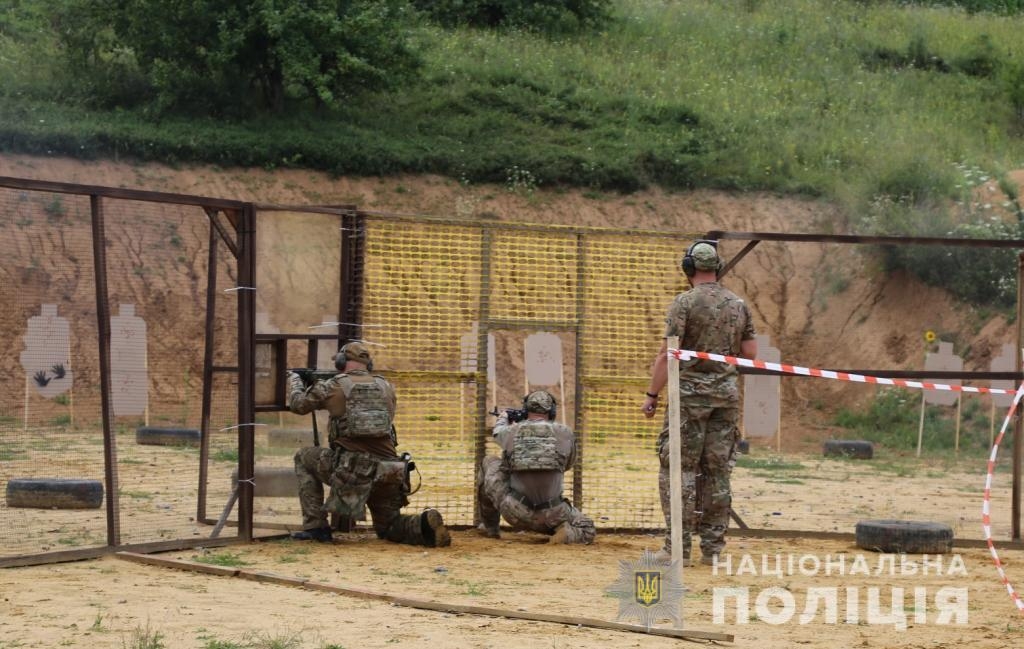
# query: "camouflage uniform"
360,464
525,485
707,318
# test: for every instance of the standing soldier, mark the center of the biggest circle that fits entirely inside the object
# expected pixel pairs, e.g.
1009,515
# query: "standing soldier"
525,485
707,318
360,464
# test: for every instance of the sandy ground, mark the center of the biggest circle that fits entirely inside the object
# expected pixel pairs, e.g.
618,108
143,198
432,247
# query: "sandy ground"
111,602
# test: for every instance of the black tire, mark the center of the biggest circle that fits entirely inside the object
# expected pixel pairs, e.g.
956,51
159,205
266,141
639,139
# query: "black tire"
904,536
167,436
272,482
856,449
54,493
743,447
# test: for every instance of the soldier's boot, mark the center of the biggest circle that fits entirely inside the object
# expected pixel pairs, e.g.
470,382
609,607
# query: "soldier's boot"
321,534
561,534
489,531
432,526
665,556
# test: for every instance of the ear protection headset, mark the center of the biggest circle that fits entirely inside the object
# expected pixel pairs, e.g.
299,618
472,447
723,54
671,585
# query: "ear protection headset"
689,267
551,412
340,359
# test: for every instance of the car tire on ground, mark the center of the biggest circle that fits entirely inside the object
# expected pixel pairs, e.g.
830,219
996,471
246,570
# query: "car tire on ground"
910,537
54,493
857,449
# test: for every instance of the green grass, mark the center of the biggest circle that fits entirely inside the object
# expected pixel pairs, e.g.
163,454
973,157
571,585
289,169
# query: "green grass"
892,420
805,96
225,455
145,638
226,559
10,452
771,464
258,640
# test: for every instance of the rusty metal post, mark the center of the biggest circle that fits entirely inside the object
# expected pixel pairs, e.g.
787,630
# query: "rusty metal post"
482,331
246,367
99,249
577,424
208,351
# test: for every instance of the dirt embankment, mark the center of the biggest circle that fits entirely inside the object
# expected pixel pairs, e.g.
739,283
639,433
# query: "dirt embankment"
822,305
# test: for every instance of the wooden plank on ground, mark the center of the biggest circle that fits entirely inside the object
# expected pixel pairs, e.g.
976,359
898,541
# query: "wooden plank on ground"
464,609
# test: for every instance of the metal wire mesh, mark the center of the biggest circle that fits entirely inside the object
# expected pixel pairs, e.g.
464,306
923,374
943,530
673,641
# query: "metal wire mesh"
54,469
50,438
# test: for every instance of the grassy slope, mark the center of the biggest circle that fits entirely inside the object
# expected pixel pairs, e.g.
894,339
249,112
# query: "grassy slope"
682,94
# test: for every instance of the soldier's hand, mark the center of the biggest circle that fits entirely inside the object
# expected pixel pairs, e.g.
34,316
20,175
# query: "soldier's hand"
650,406
295,382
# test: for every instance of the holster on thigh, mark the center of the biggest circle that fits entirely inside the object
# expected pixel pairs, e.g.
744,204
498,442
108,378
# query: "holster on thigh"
351,484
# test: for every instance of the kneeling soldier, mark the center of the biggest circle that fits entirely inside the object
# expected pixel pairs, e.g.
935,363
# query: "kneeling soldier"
525,485
361,464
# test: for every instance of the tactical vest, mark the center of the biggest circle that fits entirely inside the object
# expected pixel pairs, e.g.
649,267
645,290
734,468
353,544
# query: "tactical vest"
535,448
366,409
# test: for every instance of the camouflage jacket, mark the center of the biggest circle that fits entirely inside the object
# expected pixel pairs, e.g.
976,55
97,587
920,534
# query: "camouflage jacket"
709,318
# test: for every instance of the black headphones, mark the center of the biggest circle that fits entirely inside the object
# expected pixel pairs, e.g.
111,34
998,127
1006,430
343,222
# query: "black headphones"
551,412
340,359
689,267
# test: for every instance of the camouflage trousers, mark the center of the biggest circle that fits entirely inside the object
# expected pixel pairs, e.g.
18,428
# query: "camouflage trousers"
497,502
355,476
708,439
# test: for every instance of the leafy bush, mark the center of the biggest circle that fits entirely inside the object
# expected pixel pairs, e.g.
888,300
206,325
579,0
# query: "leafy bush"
1012,82
548,16
210,55
981,276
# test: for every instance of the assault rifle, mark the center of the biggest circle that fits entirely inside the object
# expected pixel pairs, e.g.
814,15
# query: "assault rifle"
513,414
309,376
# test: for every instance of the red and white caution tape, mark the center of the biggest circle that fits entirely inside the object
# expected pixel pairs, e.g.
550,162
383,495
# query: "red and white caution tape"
684,355
986,520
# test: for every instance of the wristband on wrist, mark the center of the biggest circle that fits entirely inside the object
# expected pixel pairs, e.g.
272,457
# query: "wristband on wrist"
652,396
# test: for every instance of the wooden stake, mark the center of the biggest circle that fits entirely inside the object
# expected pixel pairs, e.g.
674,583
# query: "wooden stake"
992,423
920,426
462,411
561,389
675,455
956,438
28,386
145,365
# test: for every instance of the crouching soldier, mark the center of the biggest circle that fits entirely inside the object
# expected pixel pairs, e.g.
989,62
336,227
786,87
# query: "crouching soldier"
360,464
524,486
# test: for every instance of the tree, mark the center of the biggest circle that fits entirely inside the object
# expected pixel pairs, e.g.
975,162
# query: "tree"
209,54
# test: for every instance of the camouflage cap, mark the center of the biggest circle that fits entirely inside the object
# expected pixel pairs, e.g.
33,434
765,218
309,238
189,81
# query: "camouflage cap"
356,351
539,401
705,257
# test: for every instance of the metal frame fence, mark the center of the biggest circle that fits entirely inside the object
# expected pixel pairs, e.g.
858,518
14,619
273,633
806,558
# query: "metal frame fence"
434,292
